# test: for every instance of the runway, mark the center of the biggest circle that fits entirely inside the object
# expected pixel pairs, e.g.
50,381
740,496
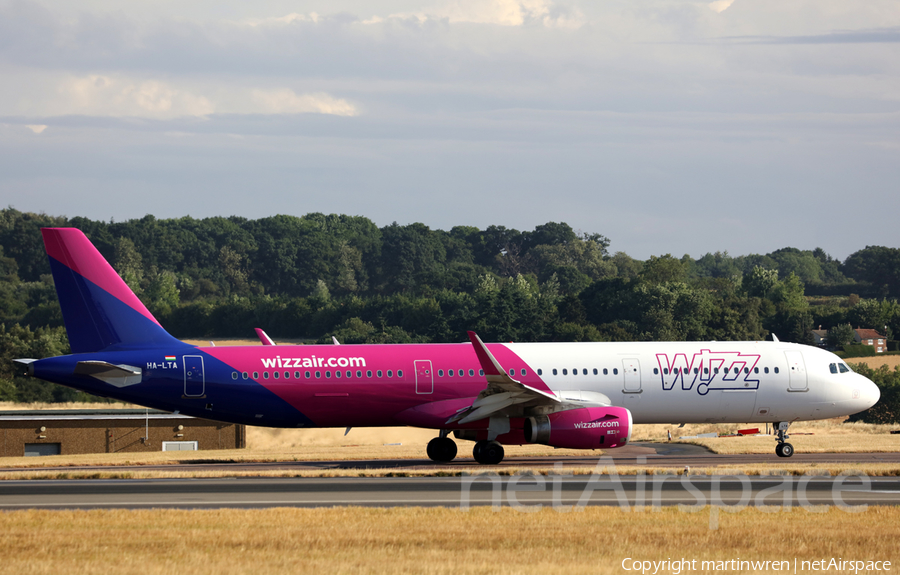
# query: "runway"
478,485
657,455
526,492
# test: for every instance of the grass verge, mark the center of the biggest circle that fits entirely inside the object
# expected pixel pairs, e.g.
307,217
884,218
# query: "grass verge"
432,541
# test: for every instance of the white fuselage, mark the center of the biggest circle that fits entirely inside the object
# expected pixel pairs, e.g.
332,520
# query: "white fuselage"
705,382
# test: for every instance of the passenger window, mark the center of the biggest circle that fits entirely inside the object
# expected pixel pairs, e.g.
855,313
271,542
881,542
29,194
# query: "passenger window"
615,371
350,374
575,371
276,374
390,373
318,375
766,370
584,371
705,371
776,370
665,371
755,370
378,373
440,373
328,375
233,375
297,374
715,370
337,374
245,375
512,372
481,372
554,371
255,375
595,371
450,372
306,374
369,373
265,375
696,371
540,371
655,371
605,371
565,371
399,373
471,373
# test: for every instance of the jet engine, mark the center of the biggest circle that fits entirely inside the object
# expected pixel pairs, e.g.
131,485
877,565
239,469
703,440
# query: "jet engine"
581,428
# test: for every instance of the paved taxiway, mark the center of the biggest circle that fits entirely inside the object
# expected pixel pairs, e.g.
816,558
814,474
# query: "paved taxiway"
448,491
674,455
562,489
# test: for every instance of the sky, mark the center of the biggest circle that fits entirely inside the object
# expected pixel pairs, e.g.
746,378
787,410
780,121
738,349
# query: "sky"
668,126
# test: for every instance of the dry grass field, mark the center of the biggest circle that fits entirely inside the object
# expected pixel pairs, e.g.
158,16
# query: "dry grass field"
430,541
891,361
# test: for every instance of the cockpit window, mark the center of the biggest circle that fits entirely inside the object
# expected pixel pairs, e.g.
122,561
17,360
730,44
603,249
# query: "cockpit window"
832,367
843,367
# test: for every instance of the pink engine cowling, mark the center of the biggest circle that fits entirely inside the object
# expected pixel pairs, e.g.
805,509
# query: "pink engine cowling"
583,428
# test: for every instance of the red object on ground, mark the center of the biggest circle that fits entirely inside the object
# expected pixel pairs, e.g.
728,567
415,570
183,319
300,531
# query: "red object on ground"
753,431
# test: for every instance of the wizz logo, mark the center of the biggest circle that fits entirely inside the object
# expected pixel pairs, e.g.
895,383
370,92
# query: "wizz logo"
708,370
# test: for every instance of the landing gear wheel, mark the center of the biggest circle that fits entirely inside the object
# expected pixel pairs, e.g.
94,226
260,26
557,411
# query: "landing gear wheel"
488,452
784,450
441,449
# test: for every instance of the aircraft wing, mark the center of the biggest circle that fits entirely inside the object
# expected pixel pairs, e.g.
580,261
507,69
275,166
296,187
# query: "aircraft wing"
503,394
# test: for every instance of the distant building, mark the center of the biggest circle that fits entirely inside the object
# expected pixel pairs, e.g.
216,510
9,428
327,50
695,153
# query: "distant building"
66,432
820,337
870,337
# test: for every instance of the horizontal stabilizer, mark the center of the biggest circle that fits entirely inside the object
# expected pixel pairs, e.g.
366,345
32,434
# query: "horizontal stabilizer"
117,375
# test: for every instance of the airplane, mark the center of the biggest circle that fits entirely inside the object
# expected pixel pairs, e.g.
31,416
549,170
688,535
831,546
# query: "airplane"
569,395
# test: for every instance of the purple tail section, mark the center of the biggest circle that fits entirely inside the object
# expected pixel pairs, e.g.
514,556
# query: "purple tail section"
99,309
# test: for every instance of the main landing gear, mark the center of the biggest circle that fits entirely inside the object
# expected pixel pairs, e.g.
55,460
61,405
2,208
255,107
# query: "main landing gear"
783,449
488,452
441,449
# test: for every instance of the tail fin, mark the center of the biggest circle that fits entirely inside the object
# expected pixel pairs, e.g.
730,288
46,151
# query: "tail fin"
98,307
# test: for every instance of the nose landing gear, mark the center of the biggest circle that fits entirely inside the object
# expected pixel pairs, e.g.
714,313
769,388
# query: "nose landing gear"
783,449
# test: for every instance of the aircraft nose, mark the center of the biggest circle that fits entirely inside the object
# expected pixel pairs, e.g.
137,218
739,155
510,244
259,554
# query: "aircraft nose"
869,394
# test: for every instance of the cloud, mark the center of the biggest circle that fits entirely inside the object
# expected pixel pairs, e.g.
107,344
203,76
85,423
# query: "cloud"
493,12
286,101
288,19
36,128
102,95
500,12
42,95
871,36
721,5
